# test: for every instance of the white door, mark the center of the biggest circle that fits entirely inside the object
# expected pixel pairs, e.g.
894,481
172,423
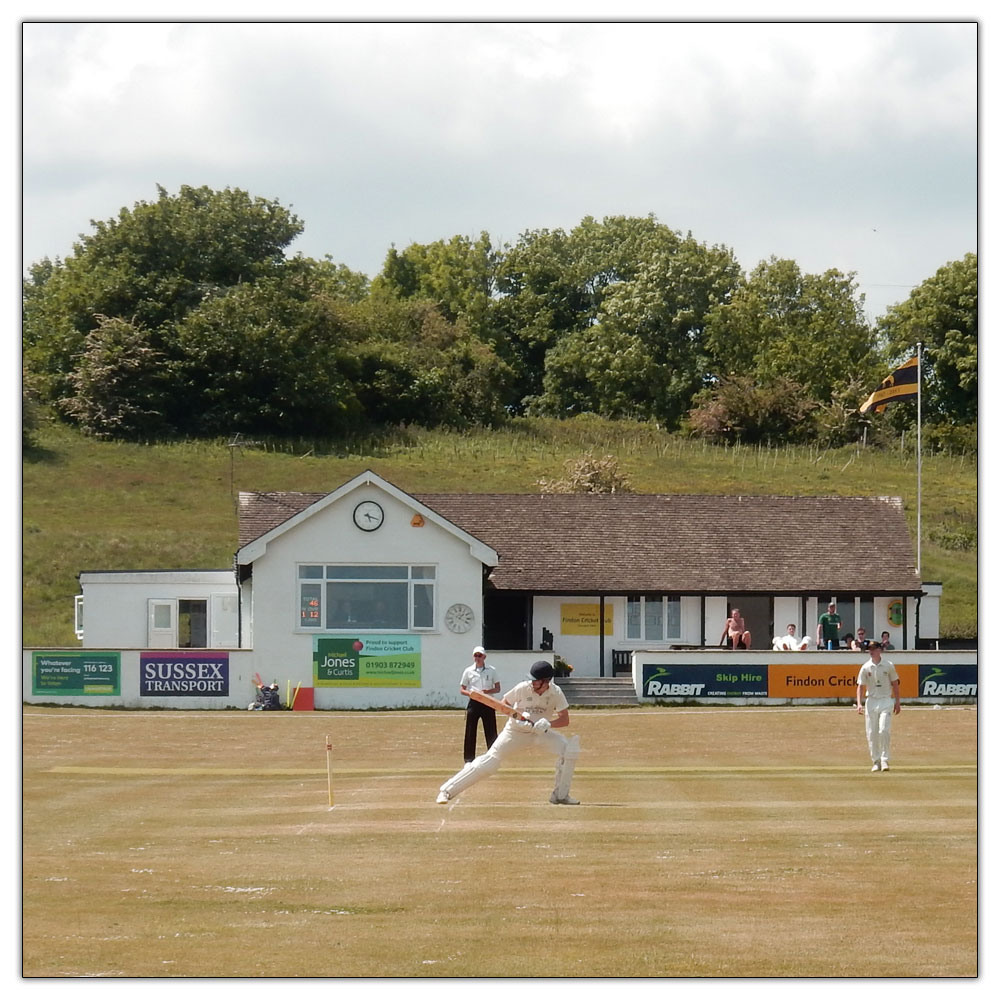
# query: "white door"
162,631
224,621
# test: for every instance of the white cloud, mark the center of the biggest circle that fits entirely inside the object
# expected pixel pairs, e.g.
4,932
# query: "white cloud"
795,139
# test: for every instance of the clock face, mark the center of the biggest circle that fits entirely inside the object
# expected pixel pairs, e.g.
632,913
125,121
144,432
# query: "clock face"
459,618
368,515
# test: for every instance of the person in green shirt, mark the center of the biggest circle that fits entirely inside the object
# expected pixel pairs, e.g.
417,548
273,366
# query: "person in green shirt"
828,629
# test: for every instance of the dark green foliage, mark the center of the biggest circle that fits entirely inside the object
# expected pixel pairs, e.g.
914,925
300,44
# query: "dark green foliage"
943,314
119,386
739,408
184,316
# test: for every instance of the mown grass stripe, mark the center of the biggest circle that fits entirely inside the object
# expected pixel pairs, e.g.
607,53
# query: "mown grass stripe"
401,772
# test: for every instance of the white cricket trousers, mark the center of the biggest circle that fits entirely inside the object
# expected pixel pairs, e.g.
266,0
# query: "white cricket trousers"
511,741
878,722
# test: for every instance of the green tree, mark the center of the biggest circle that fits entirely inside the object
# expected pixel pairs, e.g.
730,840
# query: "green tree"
260,359
636,346
119,387
943,314
457,276
781,323
665,305
415,366
149,266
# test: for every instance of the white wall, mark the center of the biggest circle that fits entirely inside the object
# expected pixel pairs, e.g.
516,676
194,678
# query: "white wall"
241,669
716,613
583,651
283,649
789,610
116,605
930,611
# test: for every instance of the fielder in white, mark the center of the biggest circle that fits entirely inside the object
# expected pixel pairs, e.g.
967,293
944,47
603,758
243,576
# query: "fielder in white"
546,709
879,679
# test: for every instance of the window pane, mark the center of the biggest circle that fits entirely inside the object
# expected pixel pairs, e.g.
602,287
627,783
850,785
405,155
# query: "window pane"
367,572
162,616
673,617
654,619
868,616
366,606
845,608
423,605
633,620
309,612
422,572
310,572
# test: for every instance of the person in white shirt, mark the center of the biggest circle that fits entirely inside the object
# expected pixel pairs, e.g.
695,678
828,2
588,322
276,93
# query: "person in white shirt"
544,709
479,676
790,641
878,678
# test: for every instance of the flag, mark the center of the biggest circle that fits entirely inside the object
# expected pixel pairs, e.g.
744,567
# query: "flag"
901,384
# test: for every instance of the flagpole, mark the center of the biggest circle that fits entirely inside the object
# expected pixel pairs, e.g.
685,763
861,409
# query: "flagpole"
920,350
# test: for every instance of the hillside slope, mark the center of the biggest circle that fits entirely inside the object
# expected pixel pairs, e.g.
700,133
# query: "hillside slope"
92,505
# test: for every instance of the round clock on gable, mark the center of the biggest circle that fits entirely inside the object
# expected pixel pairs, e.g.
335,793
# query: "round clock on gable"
368,515
459,618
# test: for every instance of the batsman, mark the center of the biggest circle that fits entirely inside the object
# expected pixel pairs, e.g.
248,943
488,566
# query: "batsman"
536,708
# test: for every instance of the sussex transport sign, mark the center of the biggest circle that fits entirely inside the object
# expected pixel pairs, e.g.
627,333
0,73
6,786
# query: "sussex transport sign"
184,675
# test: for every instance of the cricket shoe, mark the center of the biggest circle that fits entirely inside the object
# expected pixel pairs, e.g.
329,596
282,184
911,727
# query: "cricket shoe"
876,767
567,801
443,797
885,765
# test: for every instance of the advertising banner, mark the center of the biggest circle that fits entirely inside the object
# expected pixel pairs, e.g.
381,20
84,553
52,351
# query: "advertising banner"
366,661
693,681
954,680
582,619
799,680
76,673
204,674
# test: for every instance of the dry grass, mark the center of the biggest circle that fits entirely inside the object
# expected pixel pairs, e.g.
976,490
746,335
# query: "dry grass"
711,842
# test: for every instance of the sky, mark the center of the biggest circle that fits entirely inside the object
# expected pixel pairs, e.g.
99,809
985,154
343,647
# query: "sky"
838,144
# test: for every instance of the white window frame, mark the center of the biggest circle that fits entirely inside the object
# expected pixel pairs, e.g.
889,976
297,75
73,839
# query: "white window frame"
78,616
420,578
666,601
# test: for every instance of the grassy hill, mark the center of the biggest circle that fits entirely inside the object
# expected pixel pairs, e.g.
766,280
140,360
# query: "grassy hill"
92,505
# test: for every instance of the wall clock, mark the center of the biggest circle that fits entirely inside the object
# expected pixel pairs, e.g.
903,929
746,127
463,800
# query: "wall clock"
368,515
459,618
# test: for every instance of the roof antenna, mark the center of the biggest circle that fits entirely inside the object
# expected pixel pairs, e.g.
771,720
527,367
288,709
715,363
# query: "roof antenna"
236,441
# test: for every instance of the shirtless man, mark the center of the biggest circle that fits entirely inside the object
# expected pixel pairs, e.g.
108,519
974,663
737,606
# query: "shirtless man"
736,630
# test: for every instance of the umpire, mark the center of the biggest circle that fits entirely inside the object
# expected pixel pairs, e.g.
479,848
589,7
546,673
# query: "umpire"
479,676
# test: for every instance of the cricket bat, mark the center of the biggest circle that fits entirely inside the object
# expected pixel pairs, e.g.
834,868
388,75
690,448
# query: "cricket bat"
495,703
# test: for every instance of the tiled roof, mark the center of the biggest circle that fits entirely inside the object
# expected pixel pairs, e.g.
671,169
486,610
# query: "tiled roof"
260,512
620,543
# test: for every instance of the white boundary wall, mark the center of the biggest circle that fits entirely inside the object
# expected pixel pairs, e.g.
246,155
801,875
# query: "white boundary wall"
512,666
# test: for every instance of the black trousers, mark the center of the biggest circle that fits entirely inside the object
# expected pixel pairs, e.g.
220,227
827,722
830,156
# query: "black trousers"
475,711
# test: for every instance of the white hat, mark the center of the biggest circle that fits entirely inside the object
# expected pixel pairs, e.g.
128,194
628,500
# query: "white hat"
479,649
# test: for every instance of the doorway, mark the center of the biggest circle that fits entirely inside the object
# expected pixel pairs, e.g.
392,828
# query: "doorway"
756,611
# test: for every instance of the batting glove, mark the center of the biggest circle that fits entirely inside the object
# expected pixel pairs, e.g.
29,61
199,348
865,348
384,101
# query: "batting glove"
542,726
524,724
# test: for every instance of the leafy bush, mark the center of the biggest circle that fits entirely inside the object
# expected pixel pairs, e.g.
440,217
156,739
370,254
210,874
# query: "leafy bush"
739,408
119,388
